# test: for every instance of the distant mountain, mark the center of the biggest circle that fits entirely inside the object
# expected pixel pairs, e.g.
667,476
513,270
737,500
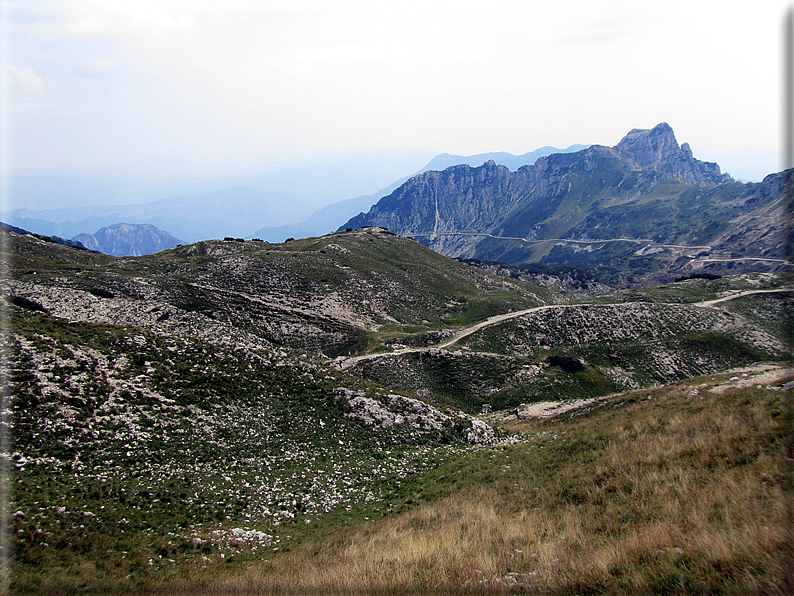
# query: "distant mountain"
67,204
644,210
510,161
330,217
128,240
326,219
215,214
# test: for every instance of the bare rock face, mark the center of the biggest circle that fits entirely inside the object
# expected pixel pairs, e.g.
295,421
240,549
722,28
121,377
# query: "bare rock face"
438,202
657,149
454,210
646,189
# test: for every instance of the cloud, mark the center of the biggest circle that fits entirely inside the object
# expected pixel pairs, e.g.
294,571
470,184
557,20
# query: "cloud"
592,39
28,80
97,67
104,17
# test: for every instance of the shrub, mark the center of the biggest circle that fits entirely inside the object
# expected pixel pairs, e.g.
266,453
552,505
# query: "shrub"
99,292
25,303
567,363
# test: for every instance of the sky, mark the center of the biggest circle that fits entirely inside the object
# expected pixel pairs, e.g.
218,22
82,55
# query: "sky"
219,82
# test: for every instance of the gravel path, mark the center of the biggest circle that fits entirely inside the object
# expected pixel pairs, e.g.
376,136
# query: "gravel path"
495,320
739,294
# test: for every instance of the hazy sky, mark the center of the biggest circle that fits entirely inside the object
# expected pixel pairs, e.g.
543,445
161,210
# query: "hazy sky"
212,81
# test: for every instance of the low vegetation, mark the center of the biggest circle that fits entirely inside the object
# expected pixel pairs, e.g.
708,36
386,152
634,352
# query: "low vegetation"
180,425
617,346
331,295
673,490
135,456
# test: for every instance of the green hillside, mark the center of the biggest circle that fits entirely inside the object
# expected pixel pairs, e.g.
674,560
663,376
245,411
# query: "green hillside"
190,422
137,455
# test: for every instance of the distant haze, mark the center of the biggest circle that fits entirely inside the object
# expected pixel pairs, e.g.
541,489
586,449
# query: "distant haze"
216,87
289,200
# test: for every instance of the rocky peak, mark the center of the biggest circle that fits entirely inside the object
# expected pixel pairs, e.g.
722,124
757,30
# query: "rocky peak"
650,148
657,149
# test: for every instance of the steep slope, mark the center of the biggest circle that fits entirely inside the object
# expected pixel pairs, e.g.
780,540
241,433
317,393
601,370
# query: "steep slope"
128,240
658,211
329,218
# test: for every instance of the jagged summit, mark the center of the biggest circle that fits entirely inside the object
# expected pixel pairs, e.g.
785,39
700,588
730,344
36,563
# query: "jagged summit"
658,149
650,148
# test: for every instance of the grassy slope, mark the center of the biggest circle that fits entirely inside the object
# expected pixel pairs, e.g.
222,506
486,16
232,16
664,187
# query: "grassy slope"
120,487
626,340
138,456
672,490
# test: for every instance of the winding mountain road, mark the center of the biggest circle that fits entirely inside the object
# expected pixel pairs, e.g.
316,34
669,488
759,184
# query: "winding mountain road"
648,241
739,294
495,320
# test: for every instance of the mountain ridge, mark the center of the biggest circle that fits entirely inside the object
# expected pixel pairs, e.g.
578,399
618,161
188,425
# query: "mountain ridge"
328,218
642,190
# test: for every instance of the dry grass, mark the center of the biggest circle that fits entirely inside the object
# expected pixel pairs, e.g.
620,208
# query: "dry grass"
654,492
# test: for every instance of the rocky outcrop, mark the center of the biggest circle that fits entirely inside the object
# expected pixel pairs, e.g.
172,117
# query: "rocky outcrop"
657,150
490,199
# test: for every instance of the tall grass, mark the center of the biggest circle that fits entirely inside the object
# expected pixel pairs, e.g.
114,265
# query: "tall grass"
653,492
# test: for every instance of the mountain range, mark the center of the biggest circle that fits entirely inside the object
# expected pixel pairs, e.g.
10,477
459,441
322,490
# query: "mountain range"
356,412
202,204
643,211
288,200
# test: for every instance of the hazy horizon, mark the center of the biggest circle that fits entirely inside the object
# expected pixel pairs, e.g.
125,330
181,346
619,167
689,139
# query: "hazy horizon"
215,84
